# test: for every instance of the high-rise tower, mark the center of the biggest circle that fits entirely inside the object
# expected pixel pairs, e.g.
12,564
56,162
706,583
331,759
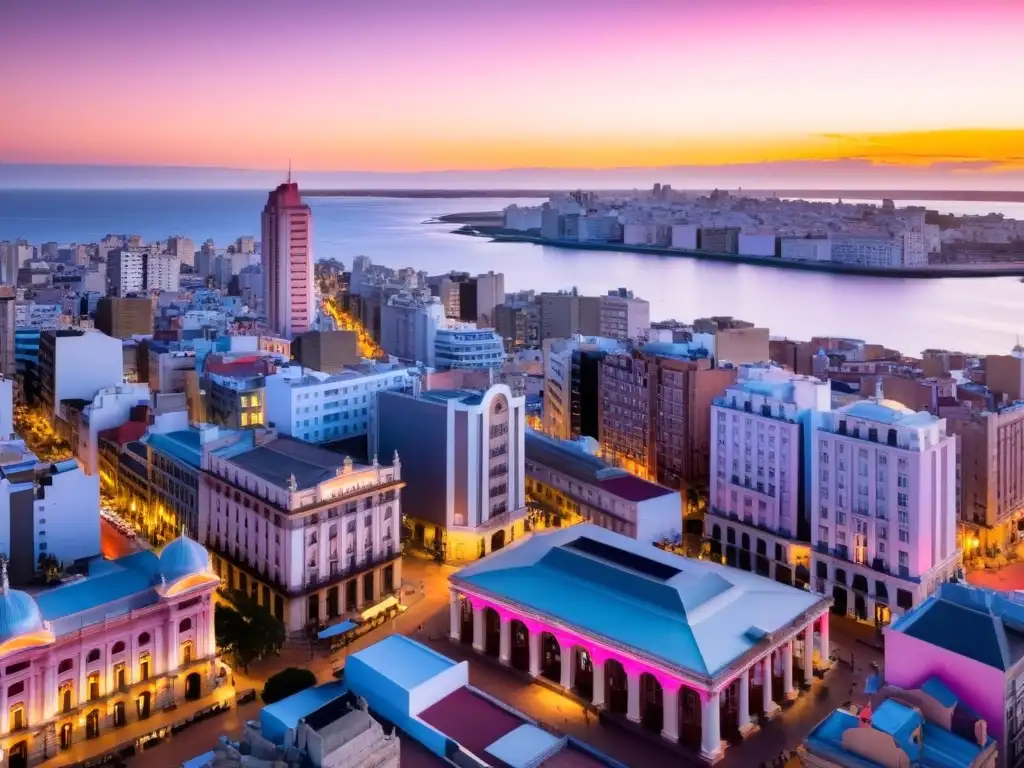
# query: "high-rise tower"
287,261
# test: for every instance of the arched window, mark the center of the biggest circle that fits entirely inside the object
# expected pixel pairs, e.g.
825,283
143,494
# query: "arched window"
94,655
118,647
65,666
15,689
144,638
185,625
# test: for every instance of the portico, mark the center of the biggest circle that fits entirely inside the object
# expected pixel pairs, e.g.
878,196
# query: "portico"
686,648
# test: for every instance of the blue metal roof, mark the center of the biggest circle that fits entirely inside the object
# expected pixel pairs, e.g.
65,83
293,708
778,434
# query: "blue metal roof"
119,579
282,715
525,747
19,614
700,617
185,446
405,662
337,629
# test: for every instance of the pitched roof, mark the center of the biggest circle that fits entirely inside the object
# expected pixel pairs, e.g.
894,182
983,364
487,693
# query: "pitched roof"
694,615
283,457
974,622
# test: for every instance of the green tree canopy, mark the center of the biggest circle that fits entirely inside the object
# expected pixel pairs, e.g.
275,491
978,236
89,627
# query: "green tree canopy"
246,631
287,682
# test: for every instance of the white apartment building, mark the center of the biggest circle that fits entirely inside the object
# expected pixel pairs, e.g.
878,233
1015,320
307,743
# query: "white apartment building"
805,248
562,376
45,509
684,236
883,508
163,272
319,407
522,218
76,365
756,243
111,407
599,229
761,433
466,347
126,272
468,479
867,250
307,532
408,327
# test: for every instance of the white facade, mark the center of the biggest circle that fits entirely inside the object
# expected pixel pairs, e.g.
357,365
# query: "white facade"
304,537
684,236
867,251
599,229
883,507
521,219
464,346
163,272
83,364
760,430
126,272
756,244
915,248
647,233
408,327
319,407
805,248
111,407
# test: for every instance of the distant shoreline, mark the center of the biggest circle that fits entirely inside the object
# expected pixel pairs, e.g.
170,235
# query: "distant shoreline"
770,262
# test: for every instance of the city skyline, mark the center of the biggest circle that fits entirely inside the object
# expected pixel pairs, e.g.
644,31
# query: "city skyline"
416,87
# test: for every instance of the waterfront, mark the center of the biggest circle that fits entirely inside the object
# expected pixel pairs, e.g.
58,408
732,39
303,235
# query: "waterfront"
981,315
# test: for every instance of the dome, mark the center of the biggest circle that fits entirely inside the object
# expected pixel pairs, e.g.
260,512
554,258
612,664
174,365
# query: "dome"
183,557
19,614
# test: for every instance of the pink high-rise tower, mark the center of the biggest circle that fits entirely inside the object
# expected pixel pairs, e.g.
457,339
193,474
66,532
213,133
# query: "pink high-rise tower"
287,259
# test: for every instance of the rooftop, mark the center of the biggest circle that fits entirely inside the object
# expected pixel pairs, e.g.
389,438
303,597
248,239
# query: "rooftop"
185,445
885,411
405,662
974,622
692,615
284,457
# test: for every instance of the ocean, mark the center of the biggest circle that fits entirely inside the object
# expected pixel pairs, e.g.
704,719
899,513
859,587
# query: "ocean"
984,315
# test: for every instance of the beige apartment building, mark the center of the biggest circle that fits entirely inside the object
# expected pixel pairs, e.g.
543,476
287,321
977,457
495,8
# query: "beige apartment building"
991,477
616,315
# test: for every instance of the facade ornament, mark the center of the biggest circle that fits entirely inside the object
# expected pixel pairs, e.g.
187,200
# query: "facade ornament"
293,484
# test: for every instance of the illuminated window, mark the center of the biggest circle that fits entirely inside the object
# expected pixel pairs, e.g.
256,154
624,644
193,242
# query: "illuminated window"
17,717
186,652
245,419
144,666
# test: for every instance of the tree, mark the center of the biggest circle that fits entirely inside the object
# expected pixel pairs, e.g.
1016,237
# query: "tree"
246,630
287,682
48,568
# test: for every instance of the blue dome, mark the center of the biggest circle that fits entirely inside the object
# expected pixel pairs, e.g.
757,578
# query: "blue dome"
19,615
183,557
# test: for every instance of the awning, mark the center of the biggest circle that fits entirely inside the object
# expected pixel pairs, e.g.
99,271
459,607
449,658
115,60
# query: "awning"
337,629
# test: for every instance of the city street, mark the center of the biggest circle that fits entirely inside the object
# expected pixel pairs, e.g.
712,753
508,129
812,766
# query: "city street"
1009,578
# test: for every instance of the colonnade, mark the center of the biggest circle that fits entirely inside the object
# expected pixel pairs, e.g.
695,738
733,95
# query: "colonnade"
772,670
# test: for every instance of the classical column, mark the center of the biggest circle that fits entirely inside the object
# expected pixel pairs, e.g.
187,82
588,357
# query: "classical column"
479,641
743,716
710,727
568,659
157,658
670,711
211,631
172,645
809,654
633,688
49,691
823,650
534,644
787,671
769,706
454,616
505,646
4,713
83,691
599,681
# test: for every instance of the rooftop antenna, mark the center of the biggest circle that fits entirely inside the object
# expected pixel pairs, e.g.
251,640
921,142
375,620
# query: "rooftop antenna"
289,170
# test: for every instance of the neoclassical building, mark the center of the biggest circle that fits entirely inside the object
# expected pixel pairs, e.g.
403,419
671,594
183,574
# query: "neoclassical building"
132,637
690,649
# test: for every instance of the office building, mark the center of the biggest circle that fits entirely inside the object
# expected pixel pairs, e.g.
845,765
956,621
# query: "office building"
408,327
307,532
468,298
867,250
76,365
655,411
572,385
132,638
287,262
590,610
126,272
320,407
991,477
123,318
327,351
883,508
568,485
469,476
762,437
463,346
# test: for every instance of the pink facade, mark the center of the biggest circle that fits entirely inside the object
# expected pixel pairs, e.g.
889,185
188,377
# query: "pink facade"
909,662
287,262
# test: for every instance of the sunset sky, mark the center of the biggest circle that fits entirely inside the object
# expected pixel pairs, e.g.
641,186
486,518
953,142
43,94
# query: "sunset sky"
407,85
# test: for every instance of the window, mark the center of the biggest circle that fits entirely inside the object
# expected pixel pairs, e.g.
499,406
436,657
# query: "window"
65,666
904,560
118,647
94,655
144,638
185,625
904,536
823,534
